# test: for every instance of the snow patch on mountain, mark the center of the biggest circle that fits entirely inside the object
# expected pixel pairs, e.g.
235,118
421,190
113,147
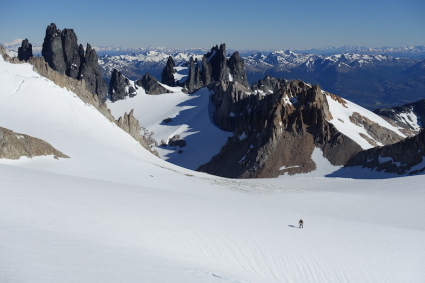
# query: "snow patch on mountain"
341,114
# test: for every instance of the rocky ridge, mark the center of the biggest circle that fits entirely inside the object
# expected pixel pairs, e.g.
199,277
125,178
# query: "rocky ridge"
409,117
276,125
79,88
14,146
404,157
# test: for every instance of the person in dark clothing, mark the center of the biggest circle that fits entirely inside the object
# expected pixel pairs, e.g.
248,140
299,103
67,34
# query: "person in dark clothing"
301,223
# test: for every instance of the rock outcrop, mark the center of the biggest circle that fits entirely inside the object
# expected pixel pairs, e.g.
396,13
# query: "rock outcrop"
120,87
276,127
376,131
151,85
132,126
63,54
14,146
409,117
25,51
404,157
167,76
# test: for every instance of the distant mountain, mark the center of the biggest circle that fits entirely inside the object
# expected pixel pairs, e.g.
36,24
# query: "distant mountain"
368,80
371,81
414,52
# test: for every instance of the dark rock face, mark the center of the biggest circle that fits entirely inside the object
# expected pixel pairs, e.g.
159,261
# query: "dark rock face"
120,87
177,141
62,53
217,61
14,146
52,49
25,51
151,85
91,74
267,85
168,72
72,57
274,133
237,69
404,157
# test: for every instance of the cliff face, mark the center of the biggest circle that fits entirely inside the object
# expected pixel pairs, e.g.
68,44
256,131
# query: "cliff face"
63,54
14,146
276,126
404,157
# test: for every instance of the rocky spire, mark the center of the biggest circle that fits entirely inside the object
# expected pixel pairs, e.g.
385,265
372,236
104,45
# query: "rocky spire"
73,59
215,67
91,74
120,87
25,51
52,49
217,60
63,54
168,72
237,69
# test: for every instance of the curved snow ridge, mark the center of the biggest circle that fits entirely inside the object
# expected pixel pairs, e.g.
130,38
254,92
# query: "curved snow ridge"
341,120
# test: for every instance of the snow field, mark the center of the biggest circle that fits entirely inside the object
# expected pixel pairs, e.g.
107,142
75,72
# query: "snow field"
191,120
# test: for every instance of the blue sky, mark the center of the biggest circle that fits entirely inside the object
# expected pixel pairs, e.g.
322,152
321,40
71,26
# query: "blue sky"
244,24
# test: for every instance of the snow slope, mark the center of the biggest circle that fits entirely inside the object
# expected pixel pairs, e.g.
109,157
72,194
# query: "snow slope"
341,120
115,213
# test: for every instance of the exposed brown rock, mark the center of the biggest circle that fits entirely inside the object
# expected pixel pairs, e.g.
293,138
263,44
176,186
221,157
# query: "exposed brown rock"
14,146
132,126
376,131
274,133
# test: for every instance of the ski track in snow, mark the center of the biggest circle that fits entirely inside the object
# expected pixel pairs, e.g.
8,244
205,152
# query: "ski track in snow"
19,86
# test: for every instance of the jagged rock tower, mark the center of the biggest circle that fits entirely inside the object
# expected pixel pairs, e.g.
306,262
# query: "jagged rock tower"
61,51
213,67
25,51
